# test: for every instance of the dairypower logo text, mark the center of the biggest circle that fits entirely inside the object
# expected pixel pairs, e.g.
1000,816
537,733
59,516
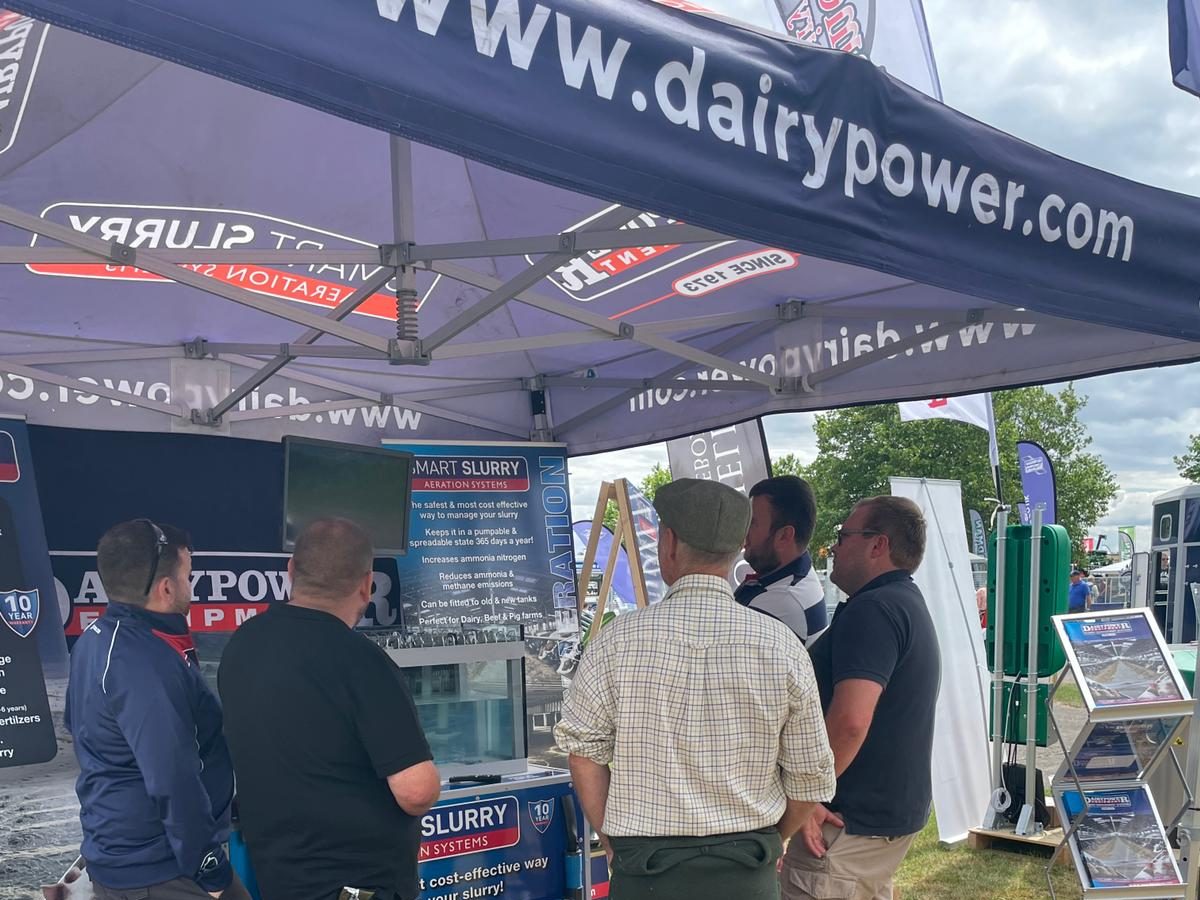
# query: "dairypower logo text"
1107,627
197,228
464,828
822,151
470,473
225,591
21,40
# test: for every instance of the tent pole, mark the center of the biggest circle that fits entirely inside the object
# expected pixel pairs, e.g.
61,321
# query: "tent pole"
89,389
343,309
624,329
505,291
404,233
737,340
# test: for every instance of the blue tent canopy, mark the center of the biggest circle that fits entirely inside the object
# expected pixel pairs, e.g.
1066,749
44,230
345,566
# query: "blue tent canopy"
426,218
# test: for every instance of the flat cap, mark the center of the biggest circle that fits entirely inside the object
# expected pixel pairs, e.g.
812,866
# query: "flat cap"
706,515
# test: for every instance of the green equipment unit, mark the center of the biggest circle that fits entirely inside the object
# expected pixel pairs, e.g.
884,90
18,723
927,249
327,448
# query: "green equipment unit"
1015,716
1053,578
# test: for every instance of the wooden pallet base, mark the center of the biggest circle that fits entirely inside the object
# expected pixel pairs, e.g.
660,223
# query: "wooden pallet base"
1047,841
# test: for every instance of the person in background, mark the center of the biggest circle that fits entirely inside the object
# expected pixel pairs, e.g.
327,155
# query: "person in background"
1078,593
694,725
155,781
879,668
334,772
784,584
1093,591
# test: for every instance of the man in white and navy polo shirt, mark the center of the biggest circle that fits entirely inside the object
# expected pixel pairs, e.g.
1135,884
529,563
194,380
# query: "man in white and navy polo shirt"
784,585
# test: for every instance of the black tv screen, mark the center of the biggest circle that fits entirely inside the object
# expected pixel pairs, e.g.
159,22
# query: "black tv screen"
368,485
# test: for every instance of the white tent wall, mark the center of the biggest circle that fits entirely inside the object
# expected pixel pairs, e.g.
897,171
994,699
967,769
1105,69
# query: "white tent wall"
961,782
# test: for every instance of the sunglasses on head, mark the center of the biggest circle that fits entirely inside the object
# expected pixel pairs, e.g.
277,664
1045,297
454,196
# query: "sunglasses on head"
160,544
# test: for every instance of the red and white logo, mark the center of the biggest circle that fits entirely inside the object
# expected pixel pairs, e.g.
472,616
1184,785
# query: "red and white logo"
198,228
847,25
740,268
596,273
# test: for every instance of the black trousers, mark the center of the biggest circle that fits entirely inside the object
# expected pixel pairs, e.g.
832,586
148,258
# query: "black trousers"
715,867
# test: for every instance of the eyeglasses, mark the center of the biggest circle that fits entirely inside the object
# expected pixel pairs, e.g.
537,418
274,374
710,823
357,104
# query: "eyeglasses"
160,544
844,532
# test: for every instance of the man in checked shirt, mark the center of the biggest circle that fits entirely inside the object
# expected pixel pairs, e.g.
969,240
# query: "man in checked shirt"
694,727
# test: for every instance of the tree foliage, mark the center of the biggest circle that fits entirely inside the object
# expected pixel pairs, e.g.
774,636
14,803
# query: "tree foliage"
788,464
1189,463
859,448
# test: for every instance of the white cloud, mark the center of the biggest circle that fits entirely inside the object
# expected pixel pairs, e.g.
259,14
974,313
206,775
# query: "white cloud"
791,433
585,473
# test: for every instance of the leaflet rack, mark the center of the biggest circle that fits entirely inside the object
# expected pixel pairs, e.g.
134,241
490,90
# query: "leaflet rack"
1136,702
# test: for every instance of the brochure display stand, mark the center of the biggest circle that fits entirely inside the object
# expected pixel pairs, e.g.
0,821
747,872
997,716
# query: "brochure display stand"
1136,701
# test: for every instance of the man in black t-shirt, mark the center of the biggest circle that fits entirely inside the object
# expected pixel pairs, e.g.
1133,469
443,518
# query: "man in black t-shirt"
878,669
333,770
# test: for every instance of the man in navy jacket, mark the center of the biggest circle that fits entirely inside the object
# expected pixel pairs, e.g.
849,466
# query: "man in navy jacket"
155,783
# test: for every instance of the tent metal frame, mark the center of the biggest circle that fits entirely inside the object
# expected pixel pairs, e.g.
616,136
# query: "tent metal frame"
400,260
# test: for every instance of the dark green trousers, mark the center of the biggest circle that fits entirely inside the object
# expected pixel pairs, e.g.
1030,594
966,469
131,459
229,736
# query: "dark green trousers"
716,867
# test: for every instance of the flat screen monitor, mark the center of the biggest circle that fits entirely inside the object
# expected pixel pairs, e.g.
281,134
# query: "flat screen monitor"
368,485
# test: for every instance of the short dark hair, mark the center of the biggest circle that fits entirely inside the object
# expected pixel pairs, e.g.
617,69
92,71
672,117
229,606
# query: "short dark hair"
128,550
903,523
331,557
792,503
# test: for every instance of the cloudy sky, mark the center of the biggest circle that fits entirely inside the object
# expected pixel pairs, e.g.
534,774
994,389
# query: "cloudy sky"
1089,81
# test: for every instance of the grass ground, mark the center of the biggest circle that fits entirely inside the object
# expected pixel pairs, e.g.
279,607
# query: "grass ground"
934,872
1068,694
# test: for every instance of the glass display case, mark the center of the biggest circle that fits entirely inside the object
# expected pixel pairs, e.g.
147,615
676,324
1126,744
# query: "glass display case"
469,689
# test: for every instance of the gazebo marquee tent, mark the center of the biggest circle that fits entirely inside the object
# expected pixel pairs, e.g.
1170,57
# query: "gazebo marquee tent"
603,223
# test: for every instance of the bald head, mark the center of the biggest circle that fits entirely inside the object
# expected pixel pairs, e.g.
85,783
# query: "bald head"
331,560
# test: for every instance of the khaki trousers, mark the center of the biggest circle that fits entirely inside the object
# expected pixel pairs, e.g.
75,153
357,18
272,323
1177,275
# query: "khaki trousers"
854,867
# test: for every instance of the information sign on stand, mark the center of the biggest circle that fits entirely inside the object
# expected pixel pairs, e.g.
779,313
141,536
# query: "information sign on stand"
1136,701
1122,665
1120,843
637,531
26,727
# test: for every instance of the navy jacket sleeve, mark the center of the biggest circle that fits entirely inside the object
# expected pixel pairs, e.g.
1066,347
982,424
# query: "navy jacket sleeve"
153,709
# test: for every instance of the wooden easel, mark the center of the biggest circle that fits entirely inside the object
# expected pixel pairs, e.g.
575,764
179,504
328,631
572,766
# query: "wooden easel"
626,537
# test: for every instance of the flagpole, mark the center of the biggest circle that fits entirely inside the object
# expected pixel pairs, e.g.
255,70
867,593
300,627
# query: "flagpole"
993,449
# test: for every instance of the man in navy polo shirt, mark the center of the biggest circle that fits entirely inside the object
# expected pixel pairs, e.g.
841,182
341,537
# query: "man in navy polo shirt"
878,669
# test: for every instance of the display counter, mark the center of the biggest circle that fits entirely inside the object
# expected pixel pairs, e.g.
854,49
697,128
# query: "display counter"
514,839
503,827
469,690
